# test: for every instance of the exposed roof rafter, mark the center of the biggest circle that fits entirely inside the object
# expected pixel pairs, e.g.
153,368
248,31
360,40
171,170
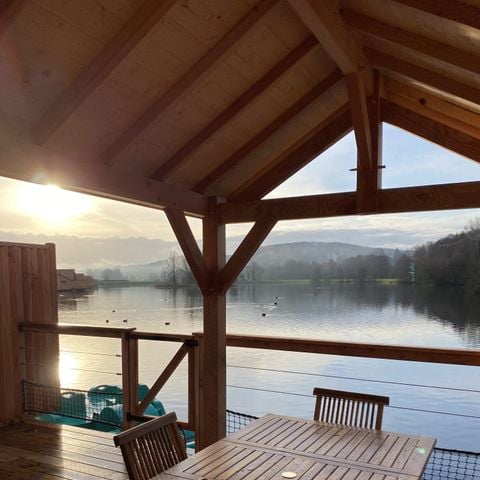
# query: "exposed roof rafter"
330,131
323,18
443,135
454,10
413,41
423,75
268,131
196,73
144,19
234,108
432,107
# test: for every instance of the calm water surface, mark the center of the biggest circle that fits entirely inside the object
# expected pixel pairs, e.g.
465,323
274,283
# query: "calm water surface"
261,381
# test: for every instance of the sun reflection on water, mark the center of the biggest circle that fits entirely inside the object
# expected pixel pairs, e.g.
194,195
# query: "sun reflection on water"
67,368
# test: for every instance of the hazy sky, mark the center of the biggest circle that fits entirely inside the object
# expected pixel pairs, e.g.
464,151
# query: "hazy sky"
119,233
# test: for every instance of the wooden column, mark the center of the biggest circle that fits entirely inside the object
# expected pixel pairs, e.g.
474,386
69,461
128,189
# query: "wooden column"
212,392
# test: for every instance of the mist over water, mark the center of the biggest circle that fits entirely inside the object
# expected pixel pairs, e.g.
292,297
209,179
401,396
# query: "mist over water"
262,381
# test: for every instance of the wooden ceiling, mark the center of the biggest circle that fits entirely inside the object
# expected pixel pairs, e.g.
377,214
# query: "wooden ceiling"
166,102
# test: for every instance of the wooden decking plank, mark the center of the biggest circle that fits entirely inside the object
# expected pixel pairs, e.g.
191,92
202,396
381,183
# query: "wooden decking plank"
40,463
57,449
71,432
66,444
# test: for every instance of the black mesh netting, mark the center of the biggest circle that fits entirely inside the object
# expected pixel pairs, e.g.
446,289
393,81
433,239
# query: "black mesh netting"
443,465
99,406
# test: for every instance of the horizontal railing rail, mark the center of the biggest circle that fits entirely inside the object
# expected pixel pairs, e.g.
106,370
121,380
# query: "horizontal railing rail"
367,350
107,332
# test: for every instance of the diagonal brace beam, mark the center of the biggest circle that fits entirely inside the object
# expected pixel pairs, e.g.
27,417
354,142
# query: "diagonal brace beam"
245,252
162,379
189,246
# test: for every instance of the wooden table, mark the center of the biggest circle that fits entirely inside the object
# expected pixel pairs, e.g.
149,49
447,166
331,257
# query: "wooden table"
313,450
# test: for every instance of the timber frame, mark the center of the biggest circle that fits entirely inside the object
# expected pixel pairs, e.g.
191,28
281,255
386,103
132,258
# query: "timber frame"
203,111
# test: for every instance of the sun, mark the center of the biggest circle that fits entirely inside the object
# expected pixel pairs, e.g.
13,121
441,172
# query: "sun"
51,203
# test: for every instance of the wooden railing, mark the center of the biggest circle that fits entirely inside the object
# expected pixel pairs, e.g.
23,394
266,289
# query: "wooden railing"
129,338
192,347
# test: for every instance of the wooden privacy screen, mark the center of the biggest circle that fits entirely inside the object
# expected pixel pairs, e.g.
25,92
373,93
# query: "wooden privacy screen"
28,293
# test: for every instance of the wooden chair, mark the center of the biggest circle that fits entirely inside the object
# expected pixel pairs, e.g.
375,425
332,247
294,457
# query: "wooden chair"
349,408
152,447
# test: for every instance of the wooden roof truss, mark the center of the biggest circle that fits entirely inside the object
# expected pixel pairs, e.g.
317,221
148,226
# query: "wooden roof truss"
336,66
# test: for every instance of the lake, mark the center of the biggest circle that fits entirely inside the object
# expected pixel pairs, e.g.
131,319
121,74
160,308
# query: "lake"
425,398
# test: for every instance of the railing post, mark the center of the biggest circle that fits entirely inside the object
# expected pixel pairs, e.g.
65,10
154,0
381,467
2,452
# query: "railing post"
198,388
129,377
191,384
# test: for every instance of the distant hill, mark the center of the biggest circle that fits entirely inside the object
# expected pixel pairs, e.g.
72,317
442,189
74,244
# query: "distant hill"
266,256
314,251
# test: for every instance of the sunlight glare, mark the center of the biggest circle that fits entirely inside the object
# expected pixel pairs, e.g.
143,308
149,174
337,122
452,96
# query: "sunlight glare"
66,369
51,203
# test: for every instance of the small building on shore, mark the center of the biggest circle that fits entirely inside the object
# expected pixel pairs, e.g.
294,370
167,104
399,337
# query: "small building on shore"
70,281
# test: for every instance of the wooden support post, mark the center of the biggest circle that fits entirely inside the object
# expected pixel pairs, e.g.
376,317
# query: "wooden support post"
191,386
198,379
369,177
212,394
129,376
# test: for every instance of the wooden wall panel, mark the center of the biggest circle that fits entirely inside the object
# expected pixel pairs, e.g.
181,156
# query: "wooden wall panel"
28,293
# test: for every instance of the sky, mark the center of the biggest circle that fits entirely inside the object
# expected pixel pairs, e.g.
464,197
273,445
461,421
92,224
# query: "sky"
94,232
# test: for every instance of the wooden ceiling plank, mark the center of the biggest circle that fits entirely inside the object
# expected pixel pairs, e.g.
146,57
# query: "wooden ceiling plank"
423,75
393,200
144,19
100,180
454,10
443,135
245,251
330,131
178,158
432,107
413,41
268,131
196,73
9,11
189,246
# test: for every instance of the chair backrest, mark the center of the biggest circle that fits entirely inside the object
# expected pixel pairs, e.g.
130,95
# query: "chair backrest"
349,408
152,447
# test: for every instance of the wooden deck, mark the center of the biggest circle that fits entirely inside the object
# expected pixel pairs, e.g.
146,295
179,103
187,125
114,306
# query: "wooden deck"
38,451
